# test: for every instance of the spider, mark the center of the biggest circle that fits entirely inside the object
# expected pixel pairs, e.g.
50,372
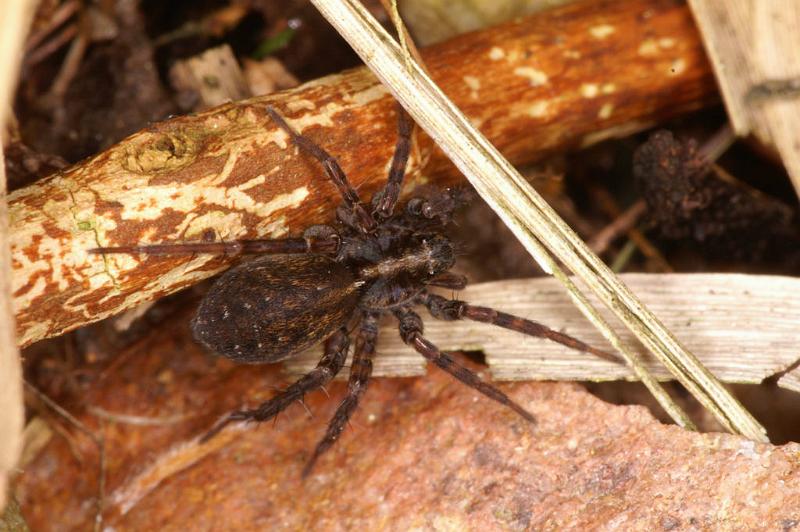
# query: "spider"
301,291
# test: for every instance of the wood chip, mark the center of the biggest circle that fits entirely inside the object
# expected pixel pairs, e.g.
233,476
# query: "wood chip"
213,76
744,328
755,51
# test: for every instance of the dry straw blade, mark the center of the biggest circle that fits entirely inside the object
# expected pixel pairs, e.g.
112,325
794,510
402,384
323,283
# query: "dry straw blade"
14,25
747,330
533,222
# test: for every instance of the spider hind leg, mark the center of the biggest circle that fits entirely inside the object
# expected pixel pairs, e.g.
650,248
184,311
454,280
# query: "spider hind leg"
411,333
453,309
360,372
329,365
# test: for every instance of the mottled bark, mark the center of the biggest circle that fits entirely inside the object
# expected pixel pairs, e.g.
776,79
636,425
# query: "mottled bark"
554,81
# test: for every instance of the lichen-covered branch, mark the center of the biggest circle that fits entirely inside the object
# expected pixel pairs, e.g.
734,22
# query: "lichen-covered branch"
557,80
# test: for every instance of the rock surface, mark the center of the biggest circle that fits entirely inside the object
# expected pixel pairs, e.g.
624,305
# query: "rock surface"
424,452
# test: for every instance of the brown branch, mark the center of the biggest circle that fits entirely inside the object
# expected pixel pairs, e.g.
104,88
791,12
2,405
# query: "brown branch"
554,81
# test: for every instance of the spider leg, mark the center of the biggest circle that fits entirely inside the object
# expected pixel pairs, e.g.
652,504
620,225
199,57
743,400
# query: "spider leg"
360,372
449,280
384,202
361,217
411,333
233,248
449,310
327,368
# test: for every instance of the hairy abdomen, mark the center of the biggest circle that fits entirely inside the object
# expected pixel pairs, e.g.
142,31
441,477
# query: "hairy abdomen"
272,307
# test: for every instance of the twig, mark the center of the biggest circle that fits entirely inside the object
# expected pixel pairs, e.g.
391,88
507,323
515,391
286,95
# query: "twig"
623,257
43,52
607,204
713,148
229,169
69,68
59,16
623,224
141,421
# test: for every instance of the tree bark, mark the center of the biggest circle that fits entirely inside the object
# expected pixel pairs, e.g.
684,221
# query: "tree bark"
554,81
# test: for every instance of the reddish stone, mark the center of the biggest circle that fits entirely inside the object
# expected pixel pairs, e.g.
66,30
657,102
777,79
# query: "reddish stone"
424,452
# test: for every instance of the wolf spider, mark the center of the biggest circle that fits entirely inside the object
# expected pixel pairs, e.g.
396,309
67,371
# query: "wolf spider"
301,291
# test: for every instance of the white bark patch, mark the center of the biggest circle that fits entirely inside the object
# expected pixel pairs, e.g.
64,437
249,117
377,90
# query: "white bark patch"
301,105
496,53
654,47
536,77
606,111
369,95
589,90
35,331
622,130
474,85
275,227
321,117
226,225
149,203
539,109
472,82
666,42
23,302
649,48
677,67
602,31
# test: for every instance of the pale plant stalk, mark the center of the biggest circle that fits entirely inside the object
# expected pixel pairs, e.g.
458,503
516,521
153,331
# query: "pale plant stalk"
580,301
533,222
631,357
13,29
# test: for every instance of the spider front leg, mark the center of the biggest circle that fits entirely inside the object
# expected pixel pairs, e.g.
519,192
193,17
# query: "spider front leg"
360,372
311,243
411,333
356,214
329,365
384,201
453,309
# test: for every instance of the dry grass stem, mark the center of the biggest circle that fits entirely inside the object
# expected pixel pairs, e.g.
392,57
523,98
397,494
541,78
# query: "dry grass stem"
13,30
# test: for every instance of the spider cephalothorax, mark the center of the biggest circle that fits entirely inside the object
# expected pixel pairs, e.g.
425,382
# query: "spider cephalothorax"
302,291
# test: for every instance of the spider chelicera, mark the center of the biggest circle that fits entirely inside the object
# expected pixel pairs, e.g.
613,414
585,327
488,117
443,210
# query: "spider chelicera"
301,291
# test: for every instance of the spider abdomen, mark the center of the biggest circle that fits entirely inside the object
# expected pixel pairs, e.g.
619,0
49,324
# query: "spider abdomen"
272,307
